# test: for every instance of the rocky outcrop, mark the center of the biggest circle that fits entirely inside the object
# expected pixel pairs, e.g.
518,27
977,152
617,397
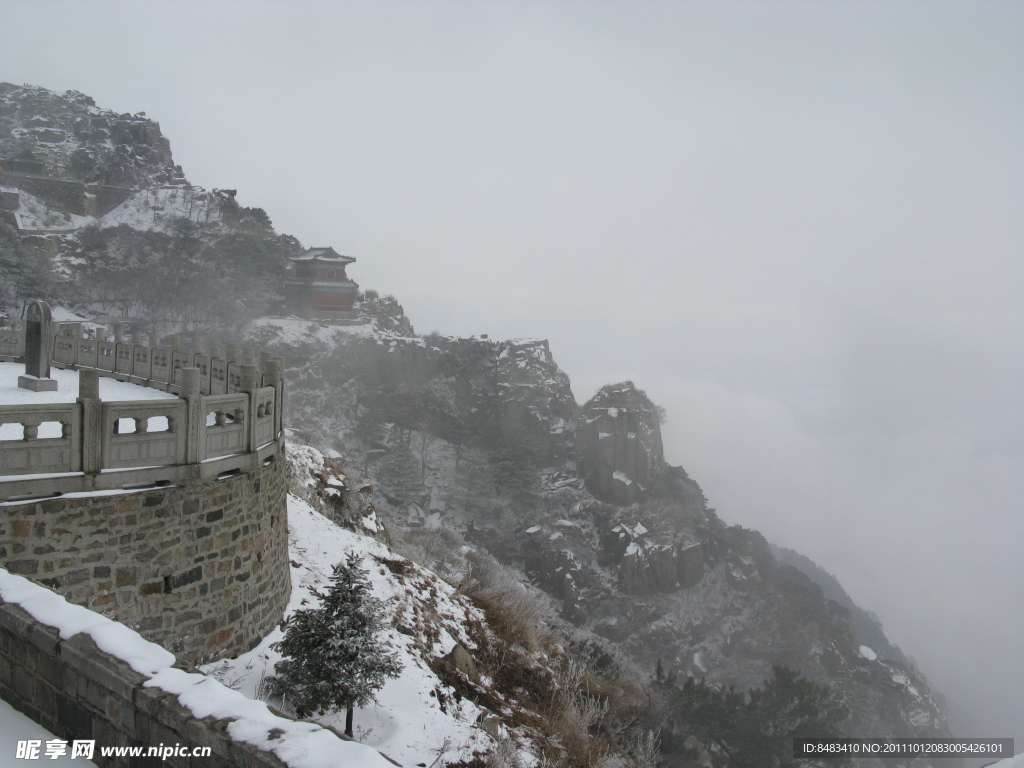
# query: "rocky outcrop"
500,396
534,395
75,140
661,567
620,451
646,565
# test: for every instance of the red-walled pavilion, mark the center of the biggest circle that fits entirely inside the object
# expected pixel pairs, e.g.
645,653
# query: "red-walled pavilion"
319,287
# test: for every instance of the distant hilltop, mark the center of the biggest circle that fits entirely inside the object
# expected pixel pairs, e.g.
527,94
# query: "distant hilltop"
67,136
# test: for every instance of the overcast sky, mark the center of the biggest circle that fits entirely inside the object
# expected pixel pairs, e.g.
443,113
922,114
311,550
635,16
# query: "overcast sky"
797,225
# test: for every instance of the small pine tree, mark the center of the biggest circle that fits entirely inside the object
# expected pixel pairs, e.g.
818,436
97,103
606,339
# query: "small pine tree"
333,658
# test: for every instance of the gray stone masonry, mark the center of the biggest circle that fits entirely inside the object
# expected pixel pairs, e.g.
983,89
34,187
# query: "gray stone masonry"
195,556
76,691
201,570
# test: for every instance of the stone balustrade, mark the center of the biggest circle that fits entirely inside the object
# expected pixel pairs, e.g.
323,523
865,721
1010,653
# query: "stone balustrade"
226,417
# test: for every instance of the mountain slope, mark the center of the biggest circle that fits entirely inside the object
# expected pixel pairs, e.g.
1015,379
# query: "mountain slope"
457,437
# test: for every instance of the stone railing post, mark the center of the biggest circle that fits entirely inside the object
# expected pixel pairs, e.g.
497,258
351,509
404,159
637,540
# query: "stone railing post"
250,384
92,428
231,352
275,378
118,333
195,420
101,334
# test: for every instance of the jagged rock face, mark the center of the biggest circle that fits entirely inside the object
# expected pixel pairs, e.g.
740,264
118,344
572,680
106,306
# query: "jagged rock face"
75,139
661,567
619,439
535,398
467,391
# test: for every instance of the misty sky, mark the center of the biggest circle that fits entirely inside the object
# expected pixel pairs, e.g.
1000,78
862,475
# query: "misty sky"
797,225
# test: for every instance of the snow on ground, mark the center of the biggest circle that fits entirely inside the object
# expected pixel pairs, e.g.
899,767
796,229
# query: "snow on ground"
67,388
157,208
34,214
417,719
296,331
65,315
67,392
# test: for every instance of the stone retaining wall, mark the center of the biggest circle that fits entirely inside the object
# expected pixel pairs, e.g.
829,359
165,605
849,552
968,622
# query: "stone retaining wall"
76,691
106,685
68,194
202,570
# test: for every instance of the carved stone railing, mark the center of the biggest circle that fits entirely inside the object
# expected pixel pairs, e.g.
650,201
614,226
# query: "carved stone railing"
226,417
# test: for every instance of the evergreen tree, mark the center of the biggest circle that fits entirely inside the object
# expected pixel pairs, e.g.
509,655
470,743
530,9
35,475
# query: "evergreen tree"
333,658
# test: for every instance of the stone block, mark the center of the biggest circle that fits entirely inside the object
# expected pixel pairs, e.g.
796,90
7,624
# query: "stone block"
37,384
151,588
77,576
24,684
46,700
146,701
15,620
50,670
23,567
44,638
115,676
6,671
182,579
205,733
92,694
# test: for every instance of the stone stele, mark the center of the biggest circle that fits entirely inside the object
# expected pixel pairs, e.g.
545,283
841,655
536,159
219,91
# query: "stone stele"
37,349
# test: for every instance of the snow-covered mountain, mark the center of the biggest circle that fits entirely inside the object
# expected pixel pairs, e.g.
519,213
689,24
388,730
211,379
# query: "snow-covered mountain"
462,470
484,437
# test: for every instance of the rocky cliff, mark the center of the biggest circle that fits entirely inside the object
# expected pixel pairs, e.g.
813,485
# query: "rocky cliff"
620,449
74,139
95,214
467,435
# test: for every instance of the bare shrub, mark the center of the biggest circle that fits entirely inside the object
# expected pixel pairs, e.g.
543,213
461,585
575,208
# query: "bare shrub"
504,755
440,550
575,715
518,611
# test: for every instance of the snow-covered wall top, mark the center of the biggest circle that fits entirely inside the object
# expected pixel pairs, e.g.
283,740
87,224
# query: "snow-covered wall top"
85,676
